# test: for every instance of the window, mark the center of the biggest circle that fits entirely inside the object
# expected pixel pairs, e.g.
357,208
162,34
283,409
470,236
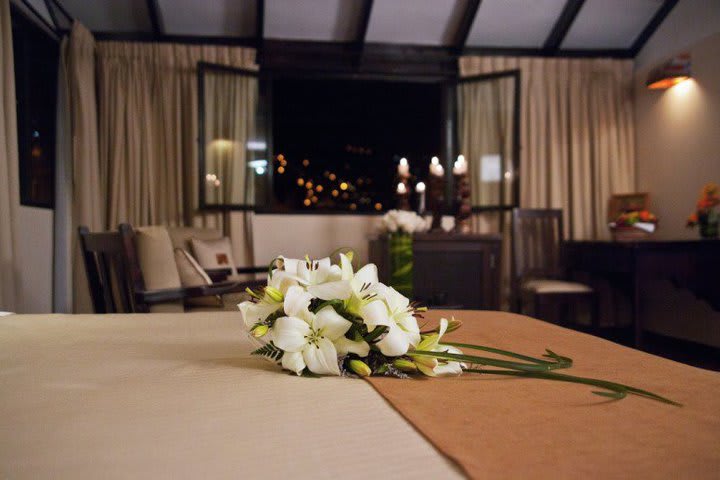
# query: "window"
36,63
338,142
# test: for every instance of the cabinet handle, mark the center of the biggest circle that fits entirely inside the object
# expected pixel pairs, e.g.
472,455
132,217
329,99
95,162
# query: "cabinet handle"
492,261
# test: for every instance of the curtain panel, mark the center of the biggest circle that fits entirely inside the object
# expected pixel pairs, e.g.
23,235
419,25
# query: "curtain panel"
134,129
9,190
576,134
148,131
89,179
148,124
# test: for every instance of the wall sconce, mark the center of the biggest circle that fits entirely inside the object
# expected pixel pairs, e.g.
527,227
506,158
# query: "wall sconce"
669,74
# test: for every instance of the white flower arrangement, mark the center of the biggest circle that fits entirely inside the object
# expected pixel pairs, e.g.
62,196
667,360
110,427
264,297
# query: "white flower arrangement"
403,221
316,318
313,313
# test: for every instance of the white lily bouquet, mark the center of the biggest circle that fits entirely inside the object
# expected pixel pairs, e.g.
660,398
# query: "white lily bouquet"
403,221
319,318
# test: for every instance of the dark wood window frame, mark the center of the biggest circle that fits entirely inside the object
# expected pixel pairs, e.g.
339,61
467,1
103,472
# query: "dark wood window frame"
450,141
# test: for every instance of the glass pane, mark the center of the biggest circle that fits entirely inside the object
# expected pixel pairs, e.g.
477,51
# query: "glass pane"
485,127
235,150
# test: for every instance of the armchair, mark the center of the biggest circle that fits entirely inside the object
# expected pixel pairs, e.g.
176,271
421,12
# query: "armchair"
131,271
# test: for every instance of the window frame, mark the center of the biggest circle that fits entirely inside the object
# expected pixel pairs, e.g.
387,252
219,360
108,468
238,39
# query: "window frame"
516,74
202,68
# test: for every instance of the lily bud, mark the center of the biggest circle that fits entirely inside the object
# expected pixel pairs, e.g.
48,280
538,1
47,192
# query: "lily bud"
259,331
427,361
404,365
360,367
274,294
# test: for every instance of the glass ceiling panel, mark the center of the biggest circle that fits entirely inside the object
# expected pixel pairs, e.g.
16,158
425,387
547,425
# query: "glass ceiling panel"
514,23
318,20
415,22
610,24
110,15
222,18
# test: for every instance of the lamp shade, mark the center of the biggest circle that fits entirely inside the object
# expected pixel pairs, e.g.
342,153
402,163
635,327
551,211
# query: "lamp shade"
670,73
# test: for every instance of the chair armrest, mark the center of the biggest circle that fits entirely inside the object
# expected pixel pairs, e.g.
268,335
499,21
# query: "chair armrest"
221,274
218,274
256,269
152,297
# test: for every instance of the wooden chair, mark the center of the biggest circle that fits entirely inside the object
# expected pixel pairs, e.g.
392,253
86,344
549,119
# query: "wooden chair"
116,281
537,274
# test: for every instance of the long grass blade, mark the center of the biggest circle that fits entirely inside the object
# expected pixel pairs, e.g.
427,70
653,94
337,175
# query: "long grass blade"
561,362
494,362
620,389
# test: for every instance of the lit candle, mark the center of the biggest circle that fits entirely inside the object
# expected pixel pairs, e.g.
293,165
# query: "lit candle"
437,170
404,168
401,189
420,190
460,166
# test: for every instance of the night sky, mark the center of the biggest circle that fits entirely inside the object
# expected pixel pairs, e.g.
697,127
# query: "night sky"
352,132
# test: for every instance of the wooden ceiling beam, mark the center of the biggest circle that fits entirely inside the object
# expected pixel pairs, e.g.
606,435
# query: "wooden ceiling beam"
156,19
363,25
653,25
562,26
466,23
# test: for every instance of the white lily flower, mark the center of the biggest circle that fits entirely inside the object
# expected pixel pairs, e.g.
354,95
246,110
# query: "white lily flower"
313,340
258,311
322,279
363,284
434,367
393,311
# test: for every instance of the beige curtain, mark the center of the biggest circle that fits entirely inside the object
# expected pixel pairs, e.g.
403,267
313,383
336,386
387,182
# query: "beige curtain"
576,134
485,125
148,130
88,178
9,194
230,107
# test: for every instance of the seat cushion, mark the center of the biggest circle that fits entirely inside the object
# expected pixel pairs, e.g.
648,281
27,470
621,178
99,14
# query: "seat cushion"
214,254
192,275
157,263
554,286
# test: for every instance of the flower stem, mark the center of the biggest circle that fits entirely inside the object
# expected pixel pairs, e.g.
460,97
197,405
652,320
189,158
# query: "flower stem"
560,362
457,357
620,390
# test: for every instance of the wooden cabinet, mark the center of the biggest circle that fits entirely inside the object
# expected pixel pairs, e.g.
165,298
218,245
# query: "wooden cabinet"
461,271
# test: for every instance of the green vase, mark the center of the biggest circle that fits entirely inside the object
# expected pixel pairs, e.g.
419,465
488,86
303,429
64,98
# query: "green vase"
708,224
401,263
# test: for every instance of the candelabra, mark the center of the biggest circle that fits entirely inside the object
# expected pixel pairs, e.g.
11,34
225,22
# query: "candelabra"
462,197
403,194
436,200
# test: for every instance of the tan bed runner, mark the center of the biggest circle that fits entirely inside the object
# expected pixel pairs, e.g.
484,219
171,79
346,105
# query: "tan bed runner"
499,427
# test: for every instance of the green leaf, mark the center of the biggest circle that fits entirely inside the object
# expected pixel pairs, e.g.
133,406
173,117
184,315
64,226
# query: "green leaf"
269,351
618,388
457,357
376,333
617,395
561,362
338,305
